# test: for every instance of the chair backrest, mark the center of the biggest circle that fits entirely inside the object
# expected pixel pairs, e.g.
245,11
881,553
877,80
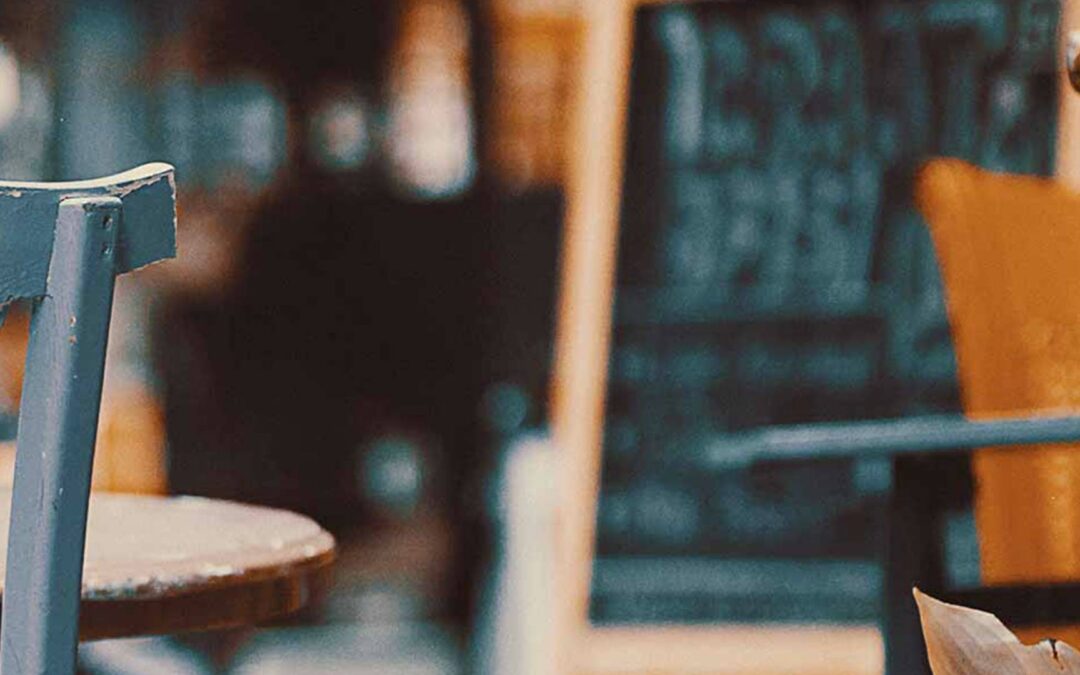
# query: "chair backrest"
1009,250
62,244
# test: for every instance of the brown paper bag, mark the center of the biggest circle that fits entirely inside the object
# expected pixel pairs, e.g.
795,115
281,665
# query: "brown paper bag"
963,641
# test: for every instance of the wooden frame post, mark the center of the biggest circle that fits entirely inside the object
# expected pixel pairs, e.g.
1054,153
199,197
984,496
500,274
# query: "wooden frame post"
583,334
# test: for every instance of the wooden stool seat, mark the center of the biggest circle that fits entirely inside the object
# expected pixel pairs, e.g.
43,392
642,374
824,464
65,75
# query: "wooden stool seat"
158,565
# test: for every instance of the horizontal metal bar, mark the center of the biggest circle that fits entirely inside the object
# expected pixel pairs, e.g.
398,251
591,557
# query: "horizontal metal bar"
886,438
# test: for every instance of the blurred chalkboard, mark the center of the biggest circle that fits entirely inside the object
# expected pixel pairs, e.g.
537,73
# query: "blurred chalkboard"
773,268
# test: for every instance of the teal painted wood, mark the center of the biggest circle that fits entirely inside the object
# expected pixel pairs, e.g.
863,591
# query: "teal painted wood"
57,425
69,248
28,211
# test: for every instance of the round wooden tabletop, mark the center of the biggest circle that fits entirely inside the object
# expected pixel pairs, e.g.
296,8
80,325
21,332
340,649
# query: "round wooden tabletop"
158,565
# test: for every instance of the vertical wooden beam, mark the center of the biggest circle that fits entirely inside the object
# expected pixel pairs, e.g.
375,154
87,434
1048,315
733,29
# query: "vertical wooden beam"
585,306
57,425
1068,133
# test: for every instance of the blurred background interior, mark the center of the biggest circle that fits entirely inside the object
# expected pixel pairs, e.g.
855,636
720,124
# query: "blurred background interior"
360,321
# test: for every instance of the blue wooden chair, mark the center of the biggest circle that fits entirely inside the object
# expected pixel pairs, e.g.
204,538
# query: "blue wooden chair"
152,565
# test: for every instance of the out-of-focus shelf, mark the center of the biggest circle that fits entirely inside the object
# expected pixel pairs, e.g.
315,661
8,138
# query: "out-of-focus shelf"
676,306
698,590
733,649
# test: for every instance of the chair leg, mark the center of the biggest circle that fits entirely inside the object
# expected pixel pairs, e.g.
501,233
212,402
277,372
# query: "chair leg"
57,427
914,557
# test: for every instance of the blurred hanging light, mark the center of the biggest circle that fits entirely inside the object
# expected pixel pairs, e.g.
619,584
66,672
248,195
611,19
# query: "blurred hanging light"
430,134
534,50
10,95
392,473
242,129
339,131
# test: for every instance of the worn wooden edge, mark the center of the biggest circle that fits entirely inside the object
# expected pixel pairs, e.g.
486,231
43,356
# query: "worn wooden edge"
733,649
238,585
117,184
28,212
198,583
259,596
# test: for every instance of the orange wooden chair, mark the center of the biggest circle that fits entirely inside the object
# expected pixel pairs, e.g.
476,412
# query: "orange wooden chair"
1009,249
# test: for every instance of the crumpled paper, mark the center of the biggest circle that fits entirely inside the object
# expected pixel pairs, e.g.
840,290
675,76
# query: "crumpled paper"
963,641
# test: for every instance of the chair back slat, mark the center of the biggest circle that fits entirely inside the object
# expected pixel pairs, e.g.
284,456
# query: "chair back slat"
1009,250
